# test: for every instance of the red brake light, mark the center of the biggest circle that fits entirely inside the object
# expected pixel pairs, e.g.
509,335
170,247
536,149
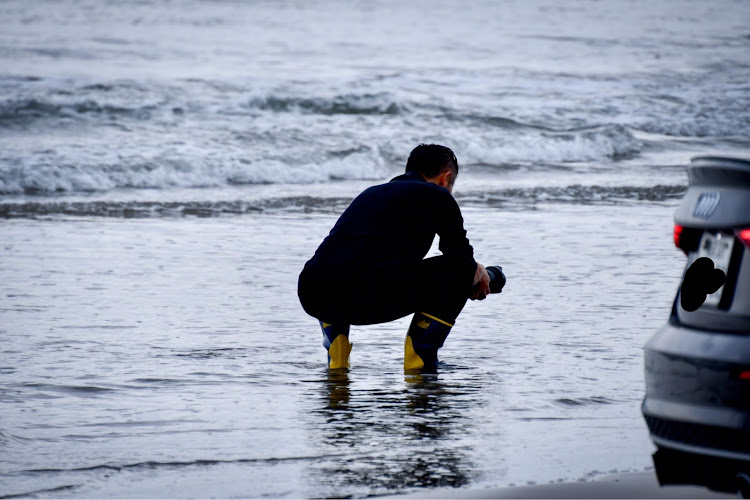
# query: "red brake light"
677,234
744,236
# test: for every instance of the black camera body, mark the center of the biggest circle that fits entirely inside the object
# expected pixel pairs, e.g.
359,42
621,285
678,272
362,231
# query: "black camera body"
497,278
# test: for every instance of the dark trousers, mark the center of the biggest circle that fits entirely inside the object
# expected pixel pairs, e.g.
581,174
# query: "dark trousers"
438,286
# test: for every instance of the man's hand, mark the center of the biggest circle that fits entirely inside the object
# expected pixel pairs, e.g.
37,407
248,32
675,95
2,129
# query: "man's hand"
481,283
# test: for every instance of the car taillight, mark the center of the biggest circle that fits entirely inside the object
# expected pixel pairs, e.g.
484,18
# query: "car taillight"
744,236
677,234
686,238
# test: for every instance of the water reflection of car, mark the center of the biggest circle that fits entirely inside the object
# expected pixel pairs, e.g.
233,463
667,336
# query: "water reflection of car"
697,366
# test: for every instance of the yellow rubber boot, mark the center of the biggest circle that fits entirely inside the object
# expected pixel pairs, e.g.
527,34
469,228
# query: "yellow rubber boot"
412,361
426,335
336,342
338,353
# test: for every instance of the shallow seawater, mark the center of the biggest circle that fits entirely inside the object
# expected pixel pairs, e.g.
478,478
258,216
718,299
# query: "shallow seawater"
166,168
170,357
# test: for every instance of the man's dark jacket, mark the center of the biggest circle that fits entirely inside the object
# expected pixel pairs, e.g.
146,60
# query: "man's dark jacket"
383,236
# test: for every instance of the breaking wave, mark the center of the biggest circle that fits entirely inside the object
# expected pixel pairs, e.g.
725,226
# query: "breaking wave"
24,111
108,102
548,146
271,160
183,167
127,102
350,104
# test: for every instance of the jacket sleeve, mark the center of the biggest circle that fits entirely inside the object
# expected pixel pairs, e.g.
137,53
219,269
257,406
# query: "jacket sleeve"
450,227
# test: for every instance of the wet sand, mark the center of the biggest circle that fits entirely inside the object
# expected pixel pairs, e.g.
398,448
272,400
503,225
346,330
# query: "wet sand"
628,485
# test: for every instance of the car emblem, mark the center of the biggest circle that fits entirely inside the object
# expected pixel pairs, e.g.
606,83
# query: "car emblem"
707,203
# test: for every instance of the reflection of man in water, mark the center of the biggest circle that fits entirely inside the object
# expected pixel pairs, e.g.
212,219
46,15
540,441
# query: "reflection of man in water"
371,267
426,413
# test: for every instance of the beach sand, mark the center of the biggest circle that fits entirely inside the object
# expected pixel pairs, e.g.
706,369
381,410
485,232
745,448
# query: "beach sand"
628,485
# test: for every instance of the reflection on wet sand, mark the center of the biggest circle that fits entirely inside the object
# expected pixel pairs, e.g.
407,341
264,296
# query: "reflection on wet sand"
376,440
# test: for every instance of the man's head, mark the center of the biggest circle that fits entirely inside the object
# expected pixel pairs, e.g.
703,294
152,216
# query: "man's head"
436,163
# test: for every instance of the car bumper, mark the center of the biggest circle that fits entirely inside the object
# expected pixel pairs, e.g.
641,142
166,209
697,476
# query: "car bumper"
697,400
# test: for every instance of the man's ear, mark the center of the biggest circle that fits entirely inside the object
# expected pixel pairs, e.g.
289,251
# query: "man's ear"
445,179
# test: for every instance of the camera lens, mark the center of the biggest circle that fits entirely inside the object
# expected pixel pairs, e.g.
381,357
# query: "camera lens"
497,278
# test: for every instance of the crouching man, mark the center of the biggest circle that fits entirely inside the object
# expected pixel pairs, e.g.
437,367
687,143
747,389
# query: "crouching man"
371,268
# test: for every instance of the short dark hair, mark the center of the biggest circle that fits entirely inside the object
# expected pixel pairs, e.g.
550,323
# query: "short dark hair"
431,160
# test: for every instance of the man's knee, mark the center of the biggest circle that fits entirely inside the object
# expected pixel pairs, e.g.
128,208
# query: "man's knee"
445,286
314,294
450,276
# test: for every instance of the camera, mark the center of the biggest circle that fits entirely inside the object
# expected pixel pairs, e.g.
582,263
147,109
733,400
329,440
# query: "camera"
497,278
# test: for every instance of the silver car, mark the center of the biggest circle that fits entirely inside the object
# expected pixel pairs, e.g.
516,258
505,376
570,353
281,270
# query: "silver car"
697,403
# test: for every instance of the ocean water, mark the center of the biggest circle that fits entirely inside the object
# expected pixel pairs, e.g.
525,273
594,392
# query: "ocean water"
166,168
